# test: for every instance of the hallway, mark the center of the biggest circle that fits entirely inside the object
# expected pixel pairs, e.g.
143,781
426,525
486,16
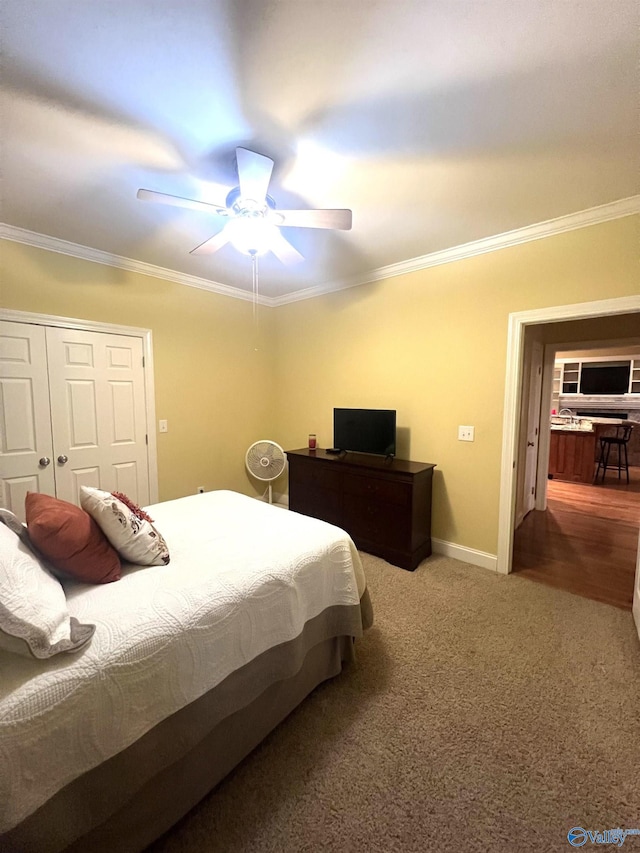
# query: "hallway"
587,540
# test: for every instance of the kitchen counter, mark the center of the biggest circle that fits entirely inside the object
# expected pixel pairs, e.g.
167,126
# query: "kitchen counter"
594,423
573,450
571,428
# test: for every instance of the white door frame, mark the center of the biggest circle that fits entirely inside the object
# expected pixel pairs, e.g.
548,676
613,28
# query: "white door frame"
544,436
518,323
528,497
149,387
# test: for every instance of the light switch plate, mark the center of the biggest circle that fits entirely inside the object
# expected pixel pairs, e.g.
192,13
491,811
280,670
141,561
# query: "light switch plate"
466,433
163,426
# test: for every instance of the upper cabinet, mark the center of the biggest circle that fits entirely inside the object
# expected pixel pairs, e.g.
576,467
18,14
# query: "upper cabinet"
570,377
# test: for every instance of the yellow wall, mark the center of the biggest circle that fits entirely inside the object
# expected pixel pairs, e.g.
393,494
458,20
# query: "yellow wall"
432,344
211,385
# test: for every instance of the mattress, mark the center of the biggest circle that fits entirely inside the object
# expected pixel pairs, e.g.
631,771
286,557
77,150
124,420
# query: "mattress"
244,577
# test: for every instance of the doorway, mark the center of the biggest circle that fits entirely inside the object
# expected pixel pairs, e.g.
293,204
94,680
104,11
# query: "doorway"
584,540
617,311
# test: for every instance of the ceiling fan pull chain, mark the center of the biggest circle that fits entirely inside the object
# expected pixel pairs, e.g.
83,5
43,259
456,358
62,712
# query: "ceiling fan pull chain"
254,270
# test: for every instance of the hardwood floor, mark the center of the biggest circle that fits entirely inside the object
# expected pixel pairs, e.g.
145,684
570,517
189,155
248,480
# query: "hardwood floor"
587,540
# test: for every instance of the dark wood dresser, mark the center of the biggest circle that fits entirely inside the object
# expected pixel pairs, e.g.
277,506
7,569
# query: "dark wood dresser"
383,504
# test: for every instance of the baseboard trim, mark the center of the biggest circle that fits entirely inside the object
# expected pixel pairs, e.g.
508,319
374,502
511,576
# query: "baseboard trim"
467,555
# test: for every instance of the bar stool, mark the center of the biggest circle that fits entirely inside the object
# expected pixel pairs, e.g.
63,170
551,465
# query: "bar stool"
619,441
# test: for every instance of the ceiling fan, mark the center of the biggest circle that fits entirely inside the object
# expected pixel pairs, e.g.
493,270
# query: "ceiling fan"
254,222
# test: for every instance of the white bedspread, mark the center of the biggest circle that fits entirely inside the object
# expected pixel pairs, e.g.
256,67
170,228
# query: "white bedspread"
244,576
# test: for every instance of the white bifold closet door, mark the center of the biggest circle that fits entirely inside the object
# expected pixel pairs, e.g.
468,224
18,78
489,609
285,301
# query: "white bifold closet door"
26,447
73,413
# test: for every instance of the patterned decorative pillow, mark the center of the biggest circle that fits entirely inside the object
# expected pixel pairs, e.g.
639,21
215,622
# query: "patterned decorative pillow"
70,540
34,620
126,526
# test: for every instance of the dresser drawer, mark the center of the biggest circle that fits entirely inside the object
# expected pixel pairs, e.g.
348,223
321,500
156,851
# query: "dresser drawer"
319,476
377,489
375,521
324,504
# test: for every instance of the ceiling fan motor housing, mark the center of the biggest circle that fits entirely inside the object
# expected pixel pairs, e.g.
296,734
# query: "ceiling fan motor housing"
240,206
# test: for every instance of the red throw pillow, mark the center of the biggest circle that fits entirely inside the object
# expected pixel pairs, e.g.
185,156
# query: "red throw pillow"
70,540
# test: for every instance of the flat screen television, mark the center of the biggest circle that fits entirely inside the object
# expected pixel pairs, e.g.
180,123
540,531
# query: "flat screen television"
365,430
603,378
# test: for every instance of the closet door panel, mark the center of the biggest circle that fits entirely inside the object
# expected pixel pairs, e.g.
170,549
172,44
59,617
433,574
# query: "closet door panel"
25,424
89,476
82,414
98,413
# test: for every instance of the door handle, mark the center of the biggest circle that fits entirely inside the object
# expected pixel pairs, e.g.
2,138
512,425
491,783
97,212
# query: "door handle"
529,444
44,461
62,459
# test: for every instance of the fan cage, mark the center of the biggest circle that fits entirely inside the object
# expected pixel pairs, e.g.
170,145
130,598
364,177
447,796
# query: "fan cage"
265,460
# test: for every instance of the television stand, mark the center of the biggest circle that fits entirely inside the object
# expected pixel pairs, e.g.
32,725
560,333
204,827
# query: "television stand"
382,502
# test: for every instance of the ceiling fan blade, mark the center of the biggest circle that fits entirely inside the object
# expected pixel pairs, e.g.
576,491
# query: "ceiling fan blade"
178,201
339,219
254,174
212,244
283,250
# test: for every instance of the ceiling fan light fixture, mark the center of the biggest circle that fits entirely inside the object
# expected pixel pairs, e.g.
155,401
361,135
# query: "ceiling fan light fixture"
251,235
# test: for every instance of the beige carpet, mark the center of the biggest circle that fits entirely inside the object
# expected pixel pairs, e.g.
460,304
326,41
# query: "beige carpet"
485,713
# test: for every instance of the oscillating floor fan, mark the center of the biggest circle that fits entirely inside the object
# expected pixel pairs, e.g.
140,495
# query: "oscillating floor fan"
265,460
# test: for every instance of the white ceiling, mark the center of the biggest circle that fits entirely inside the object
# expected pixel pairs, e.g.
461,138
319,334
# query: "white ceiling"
438,122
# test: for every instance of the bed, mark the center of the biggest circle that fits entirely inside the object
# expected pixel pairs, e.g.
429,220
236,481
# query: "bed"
191,665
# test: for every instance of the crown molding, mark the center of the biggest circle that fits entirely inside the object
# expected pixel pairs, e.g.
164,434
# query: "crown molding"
550,227
86,253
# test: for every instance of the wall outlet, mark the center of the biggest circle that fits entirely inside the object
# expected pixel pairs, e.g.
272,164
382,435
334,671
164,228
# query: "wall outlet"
163,426
200,490
466,433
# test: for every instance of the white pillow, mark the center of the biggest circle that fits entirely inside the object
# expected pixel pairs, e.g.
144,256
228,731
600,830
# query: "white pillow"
124,524
34,620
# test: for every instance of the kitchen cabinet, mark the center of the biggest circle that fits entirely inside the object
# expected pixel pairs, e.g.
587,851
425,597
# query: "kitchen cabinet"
572,454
